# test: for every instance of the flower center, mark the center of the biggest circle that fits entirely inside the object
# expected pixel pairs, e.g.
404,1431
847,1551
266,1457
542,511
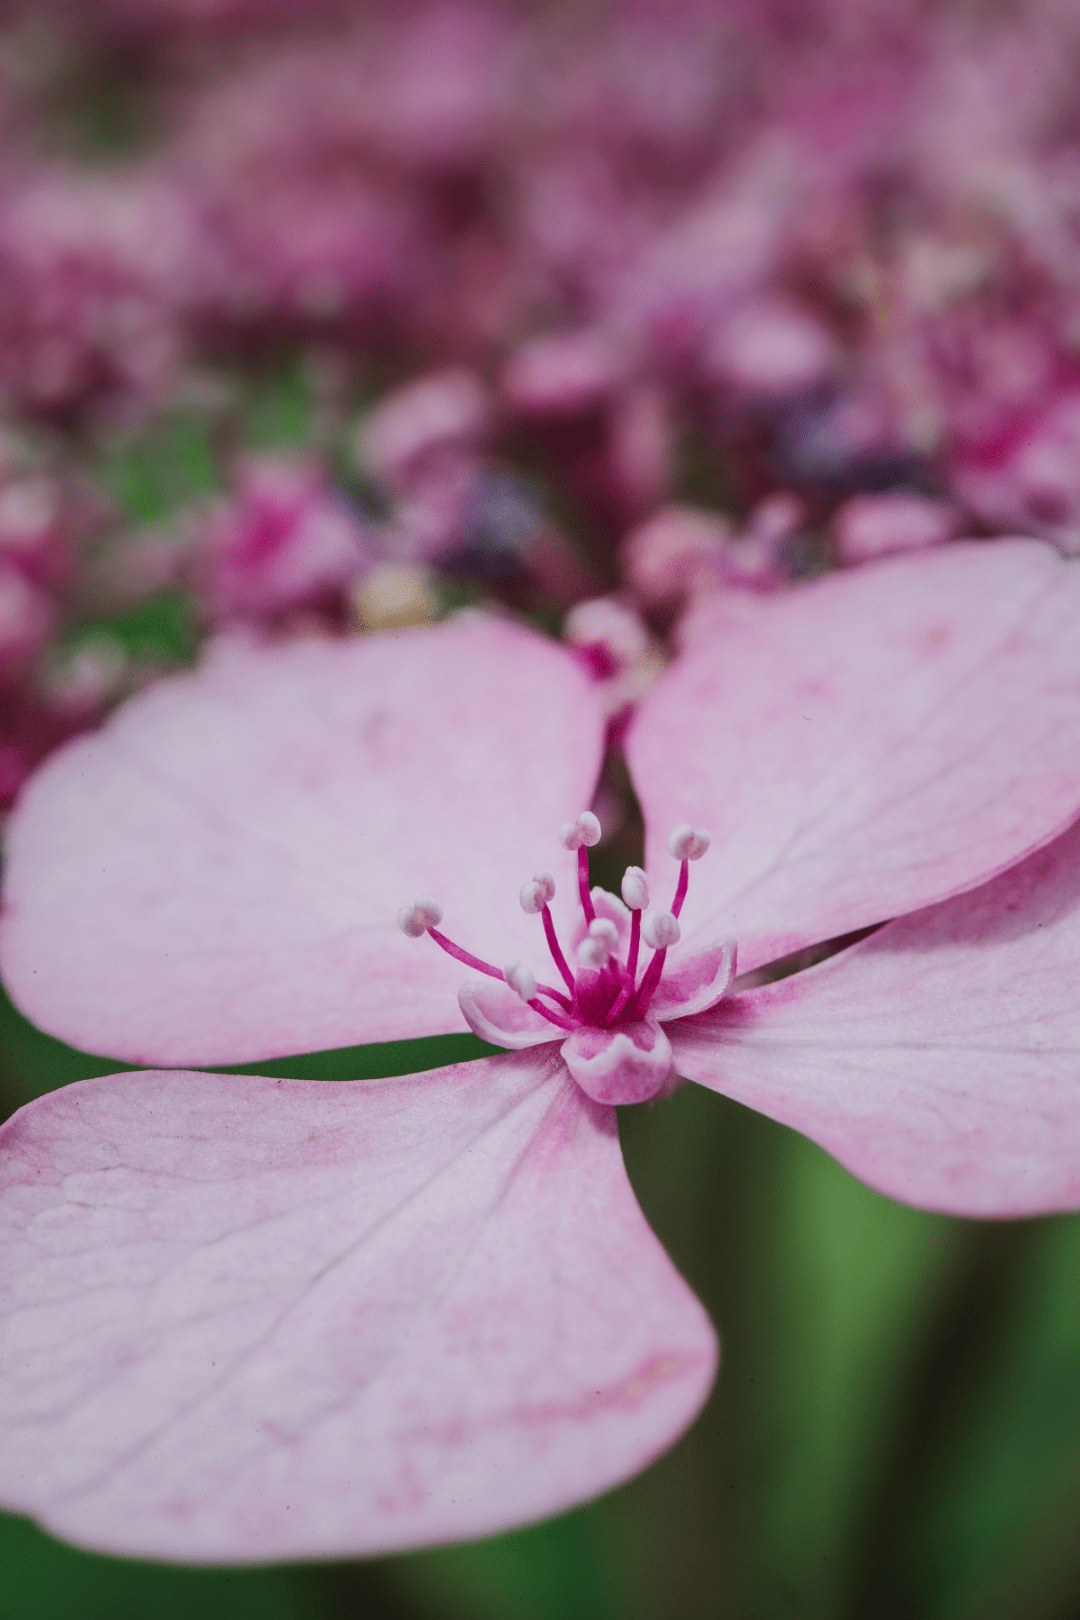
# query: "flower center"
605,991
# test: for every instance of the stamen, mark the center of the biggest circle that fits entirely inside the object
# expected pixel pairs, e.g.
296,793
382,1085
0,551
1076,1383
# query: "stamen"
585,830
661,929
688,843
463,956
556,951
596,949
520,980
635,888
416,919
576,835
552,1017
555,995
537,893
593,953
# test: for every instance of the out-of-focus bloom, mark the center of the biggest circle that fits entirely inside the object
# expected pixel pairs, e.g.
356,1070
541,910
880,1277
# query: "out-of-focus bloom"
283,541
871,526
1032,483
25,622
251,1318
415,429
98,272
614,644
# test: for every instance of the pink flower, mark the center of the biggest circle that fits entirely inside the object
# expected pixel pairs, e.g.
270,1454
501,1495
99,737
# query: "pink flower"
283,541
246,1318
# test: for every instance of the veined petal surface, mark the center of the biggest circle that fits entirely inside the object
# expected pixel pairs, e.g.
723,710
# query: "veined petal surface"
215,876
938,1059
867,744
250,1319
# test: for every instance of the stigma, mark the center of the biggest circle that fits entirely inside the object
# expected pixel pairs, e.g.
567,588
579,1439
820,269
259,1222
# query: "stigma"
609,1006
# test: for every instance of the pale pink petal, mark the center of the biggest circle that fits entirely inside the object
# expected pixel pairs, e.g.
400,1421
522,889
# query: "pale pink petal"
248,1319
630,1064
690,984
216,876
867,744
498,1014
940,1058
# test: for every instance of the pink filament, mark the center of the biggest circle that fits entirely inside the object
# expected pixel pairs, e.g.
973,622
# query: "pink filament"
464,956
583,883
556,950
681,888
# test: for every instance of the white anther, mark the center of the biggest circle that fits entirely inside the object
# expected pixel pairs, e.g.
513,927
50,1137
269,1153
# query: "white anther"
603,929
688,843
660,929
424,913
593,953
585,830
520,980
538,892
635,888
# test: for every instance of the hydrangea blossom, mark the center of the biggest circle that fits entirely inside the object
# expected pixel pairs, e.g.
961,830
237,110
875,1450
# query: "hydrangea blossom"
247,1318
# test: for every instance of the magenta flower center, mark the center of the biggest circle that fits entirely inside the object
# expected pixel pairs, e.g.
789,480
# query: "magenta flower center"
605,991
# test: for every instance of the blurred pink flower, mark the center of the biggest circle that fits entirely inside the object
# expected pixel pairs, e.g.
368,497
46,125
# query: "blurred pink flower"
255,1319
283,541
97,274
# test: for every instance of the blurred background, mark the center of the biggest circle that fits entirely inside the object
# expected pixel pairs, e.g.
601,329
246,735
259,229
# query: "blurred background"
321,317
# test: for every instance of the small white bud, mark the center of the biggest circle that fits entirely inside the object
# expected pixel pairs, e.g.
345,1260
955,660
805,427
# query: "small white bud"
585,830
520,980
635,888
424,913
538,892
688,843
660,929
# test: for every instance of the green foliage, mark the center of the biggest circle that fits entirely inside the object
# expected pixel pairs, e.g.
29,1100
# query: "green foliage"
153,475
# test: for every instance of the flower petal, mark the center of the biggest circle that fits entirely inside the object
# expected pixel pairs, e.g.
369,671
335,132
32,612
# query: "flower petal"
867,744
939,1059
499,1015
630,1064
215,877
692,983
248,1319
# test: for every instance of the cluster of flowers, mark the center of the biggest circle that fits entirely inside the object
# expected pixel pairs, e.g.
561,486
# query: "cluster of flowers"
746,290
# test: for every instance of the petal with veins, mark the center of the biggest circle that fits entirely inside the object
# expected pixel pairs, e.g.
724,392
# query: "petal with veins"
939,1059
867,744
215,876
247,1319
